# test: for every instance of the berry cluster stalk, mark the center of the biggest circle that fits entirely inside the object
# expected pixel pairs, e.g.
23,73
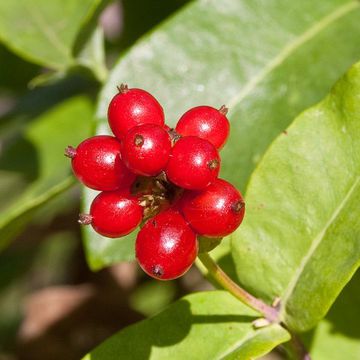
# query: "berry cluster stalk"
295,345
270,313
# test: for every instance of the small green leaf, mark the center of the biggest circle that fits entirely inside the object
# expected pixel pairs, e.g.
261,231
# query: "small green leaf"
301,236
206,325
44,32
32,162
266,60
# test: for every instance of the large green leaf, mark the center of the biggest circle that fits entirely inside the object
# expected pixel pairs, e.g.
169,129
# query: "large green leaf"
267,60
206,325
32,166
44,31
338,335
301,236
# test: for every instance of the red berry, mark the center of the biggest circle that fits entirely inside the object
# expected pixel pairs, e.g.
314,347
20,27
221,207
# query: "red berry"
216,211
114,214
97,163
194,163
146,149
166,247
131,107
207,123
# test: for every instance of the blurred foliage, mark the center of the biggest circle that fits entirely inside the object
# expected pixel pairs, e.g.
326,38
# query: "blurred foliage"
15,81
44,253
152,297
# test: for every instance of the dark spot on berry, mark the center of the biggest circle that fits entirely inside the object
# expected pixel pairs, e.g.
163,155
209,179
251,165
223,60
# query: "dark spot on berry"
154,223
236,207
139,140
157,271
213,164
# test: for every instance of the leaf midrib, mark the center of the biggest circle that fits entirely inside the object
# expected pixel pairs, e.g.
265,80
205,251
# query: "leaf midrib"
290,48
314,245
241,342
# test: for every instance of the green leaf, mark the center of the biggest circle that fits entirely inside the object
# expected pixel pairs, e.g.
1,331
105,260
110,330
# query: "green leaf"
338,335
206,325
44,32
32,162
267,60
301,236
194,58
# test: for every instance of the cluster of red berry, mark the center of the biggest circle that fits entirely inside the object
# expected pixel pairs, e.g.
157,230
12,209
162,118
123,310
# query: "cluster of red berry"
165,178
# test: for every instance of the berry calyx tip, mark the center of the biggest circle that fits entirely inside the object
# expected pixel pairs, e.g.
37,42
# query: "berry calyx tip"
85,219
158,271
223,110
213,164
236,207
139,140
70,152
123,88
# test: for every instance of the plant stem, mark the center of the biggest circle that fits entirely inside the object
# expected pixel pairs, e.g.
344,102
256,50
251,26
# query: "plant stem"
223,279
297,348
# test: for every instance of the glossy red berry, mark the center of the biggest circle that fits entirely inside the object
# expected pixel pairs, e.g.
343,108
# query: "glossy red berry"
131,107
207,123
166,247
216,211
146,149
97,163
194,163
114,214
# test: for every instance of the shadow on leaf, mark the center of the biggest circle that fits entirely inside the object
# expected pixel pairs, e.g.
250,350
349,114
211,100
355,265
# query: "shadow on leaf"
166,329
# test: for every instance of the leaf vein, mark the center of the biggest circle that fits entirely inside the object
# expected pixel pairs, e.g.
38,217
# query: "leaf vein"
290,48
315,244
238,344
47,30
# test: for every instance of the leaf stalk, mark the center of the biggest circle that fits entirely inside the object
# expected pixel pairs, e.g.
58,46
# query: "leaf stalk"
269,312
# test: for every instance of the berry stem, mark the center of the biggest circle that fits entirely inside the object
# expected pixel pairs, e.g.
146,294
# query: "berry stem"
296,348
223,279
